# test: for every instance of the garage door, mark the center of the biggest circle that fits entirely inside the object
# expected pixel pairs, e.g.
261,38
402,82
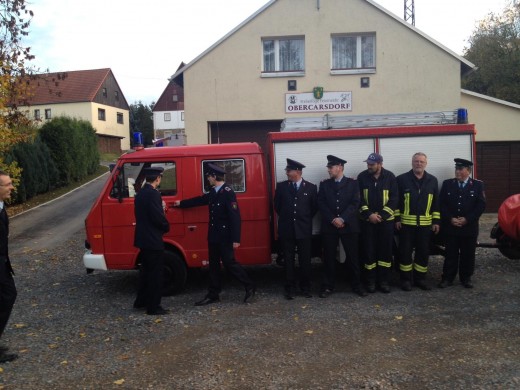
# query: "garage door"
499,168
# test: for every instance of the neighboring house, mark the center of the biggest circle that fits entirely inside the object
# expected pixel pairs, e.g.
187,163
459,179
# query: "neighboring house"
168,115
92,95
354,53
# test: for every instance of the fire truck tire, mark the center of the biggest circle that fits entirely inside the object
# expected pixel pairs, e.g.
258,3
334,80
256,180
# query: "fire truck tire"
175,273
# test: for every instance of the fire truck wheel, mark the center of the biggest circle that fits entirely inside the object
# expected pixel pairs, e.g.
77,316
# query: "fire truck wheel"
175,273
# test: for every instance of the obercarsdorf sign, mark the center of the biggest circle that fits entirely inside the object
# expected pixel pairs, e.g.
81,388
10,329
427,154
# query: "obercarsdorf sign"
306,102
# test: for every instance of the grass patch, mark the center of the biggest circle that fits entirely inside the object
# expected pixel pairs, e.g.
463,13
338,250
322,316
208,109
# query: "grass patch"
48,196
109,157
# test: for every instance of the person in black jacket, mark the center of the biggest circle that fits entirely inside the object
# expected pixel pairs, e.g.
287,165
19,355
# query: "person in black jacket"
223,234
8,291
417,217
379,199
295,202
150,225
462,203
338,202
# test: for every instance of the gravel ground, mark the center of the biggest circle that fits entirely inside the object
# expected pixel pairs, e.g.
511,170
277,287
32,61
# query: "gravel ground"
79,331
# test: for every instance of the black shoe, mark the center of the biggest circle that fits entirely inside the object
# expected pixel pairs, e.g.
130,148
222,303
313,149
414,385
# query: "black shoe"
139,306
8,357
288,296
467,283
444,284
250,294
160,311
360,291
406,286
306,294
422,285
325,293
371,287
207,301
384,287
3,349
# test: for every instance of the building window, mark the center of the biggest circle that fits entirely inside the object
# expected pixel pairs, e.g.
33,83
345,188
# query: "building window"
354,53
175,98
48,113
167,116
101,115
283,55
116,95
182,116
105,92
37,115
120,117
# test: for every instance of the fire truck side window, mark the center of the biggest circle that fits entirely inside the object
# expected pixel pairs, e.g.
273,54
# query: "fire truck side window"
235,173
131,178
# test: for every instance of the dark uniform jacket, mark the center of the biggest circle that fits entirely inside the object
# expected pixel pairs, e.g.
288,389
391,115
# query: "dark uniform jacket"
4,234
295,209
469,202
418,200
339,201
224,215
151,223
378,196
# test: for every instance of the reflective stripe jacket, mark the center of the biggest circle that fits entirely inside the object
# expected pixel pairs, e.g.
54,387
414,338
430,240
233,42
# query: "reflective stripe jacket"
418,200
378,195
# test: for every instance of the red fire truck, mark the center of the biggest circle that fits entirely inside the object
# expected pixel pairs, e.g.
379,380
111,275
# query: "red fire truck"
253,175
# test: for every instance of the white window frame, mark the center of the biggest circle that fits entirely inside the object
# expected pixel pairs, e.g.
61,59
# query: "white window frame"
359,69
101,114
167,116
48,113
277,72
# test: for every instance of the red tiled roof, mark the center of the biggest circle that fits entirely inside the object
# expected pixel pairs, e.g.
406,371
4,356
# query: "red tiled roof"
67,87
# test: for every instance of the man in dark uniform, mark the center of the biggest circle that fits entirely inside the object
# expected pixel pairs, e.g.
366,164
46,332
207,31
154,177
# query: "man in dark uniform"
417,217
379,199
295,202
7,286
150,225
462,203
223,234
338,201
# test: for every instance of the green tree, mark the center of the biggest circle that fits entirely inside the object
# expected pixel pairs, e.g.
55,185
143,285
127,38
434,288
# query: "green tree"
14,23
495,48
141,120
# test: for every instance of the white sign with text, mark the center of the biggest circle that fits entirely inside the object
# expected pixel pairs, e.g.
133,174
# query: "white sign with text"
306,102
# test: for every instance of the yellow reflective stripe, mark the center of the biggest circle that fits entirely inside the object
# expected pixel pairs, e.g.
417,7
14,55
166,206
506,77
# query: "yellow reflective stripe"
385,197
419,268
388,210
412,220
365,195
397,213
384,264
436,215
370,266
406,204
405,268
429,206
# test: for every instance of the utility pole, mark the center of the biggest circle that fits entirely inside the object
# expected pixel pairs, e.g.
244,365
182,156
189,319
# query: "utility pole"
409,11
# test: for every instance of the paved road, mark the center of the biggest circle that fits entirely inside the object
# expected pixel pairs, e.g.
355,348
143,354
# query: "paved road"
51,224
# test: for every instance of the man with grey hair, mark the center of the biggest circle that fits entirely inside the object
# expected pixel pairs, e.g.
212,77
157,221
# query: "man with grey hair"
415,219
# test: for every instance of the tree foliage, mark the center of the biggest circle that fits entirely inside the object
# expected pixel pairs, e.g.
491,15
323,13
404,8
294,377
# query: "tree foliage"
141,120
494,48
14,23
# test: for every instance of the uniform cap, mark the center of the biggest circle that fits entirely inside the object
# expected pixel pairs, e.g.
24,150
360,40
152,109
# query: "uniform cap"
214,170
460,162
374,158
153,171
333,160
294,165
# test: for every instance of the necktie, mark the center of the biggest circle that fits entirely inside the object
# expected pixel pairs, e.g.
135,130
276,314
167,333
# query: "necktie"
461,185
295,185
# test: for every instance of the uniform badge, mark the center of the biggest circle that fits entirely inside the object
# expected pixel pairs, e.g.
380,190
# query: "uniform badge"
228,189
234,205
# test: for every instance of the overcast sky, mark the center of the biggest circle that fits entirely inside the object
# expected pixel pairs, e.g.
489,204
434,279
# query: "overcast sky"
143,42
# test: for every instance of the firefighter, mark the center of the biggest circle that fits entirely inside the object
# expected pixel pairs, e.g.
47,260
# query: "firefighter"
223,234
295,202
338,201
379,199
418,215
462,202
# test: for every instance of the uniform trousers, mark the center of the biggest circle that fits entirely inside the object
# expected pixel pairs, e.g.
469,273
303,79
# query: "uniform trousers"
377,248
460,256
350,242
410,238
304,260
8,294
149,293
223,251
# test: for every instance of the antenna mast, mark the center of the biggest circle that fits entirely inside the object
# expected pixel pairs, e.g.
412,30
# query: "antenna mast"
409,11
